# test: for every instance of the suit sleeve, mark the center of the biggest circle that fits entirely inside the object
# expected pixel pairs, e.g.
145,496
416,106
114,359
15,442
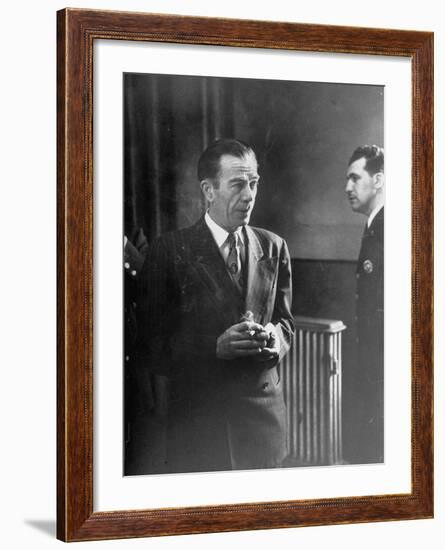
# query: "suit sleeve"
282,317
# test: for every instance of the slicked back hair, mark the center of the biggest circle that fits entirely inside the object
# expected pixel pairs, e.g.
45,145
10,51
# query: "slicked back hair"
374,155
209,162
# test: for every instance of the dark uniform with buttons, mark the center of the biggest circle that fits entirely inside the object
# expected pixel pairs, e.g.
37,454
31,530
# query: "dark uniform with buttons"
370,339
138,391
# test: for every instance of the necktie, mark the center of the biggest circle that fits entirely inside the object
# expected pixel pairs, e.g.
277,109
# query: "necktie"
234,261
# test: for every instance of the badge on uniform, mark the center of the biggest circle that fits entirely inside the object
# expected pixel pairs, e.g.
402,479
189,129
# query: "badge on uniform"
367,266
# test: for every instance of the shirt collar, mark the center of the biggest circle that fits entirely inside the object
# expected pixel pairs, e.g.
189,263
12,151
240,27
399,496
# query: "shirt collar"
219,234
374,214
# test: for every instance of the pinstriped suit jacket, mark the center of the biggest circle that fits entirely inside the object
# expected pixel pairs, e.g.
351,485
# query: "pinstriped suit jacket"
222,414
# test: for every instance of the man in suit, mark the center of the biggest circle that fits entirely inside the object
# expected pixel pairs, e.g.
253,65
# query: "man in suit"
218,309
365,192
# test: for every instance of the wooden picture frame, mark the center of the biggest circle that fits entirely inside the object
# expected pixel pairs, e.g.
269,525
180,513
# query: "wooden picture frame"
77,31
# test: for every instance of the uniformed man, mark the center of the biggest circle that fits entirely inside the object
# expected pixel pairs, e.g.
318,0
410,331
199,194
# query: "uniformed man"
365,191
138,390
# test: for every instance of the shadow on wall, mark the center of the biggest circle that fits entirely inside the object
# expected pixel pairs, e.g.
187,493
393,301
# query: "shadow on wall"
47,526
304,137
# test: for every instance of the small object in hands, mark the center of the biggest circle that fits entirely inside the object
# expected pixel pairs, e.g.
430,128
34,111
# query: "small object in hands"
248,316
271,341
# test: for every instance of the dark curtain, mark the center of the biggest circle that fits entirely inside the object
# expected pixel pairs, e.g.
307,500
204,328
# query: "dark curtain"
168,122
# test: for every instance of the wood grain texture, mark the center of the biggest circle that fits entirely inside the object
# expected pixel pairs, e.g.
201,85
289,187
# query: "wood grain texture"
77,30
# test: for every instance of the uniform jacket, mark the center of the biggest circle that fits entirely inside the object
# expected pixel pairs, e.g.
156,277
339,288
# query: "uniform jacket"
369,372
370,271
138,391
134,255
222,414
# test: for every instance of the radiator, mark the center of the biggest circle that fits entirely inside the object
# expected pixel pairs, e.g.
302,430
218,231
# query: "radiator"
311,374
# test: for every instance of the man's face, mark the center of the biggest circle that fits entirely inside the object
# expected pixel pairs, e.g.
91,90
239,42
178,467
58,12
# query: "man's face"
232,200
361,187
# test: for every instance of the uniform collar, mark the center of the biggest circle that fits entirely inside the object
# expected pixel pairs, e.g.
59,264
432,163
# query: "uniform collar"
373,215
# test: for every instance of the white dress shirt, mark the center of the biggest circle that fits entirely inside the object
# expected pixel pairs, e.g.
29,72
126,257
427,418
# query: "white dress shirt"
220,235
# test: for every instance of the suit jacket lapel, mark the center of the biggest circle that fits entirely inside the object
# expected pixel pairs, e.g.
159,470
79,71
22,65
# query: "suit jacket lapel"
212,272
260,275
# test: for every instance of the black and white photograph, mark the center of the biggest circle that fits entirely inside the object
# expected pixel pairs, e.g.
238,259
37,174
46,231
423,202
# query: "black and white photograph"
220,325
253,274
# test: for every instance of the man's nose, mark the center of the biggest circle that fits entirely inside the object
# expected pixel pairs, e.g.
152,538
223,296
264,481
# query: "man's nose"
247,194
348,187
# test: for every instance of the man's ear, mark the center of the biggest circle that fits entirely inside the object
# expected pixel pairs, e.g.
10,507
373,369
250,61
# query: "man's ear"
379,180
208,190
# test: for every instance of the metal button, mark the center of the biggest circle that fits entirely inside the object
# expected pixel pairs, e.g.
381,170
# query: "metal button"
133,272
127,265
127,358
